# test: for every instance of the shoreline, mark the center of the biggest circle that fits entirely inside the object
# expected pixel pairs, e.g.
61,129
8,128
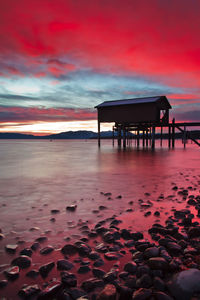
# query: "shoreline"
136,264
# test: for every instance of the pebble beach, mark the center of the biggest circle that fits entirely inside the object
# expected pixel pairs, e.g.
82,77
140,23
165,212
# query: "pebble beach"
142,245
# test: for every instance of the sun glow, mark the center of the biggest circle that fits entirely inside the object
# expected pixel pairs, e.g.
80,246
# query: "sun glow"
45,128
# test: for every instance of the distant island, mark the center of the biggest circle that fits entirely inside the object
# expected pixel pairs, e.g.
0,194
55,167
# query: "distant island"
82,134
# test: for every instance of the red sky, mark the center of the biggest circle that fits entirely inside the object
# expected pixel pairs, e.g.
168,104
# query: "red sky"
58,59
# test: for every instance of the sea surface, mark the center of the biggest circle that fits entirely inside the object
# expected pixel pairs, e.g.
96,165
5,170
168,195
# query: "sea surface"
37,176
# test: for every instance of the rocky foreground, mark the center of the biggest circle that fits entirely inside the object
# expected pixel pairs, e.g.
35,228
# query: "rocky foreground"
165,266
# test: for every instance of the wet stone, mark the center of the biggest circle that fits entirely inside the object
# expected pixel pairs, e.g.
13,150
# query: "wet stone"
41,239
110,276
46,250
64,264
93,255
158,263
50,291
141,270
185,284
12,273
28,291
108,293
101,248
68,279
162,296
69,249
35,246
26,251
84,250
77,293
2,236
142,294
71,207
151,252
98,263
84,269
55,211
99,273
45,269
91,284
130,267
112,255
3,283
144,281
32,274
11,248
159,284
125,293
22,261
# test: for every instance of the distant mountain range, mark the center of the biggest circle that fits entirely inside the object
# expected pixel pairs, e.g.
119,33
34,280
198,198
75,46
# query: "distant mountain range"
81,134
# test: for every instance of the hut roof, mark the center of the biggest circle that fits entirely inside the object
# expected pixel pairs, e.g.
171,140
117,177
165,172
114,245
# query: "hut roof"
135,101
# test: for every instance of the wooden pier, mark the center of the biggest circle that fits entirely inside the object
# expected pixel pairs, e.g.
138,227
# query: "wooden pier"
141,120
145,135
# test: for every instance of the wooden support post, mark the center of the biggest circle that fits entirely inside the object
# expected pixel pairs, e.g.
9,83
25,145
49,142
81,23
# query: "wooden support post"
147,137
138,138
150,136
153,137
124,137
113,136
161,135
173,133
99,134
119,136
169,137
143,139
184,137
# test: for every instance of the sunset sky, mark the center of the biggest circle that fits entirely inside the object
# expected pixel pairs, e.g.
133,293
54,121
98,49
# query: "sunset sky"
60,58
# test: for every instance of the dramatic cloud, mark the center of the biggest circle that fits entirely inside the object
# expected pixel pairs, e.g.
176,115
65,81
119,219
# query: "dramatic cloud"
73,54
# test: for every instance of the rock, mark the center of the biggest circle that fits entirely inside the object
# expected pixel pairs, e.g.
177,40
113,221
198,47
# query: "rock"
142,294
156,213
194,232
98,263
174,248
99,273
91,284
35,246
84,269
185,284
45,269
32,274
68,279
41,239
141,270
151,252
102,207
12,273
26,251
162,296
130,267
108,293
159,284
3,283
22,261
93,255
69,249
2,236
29,291
112,255
84,249
101,248
77,293
11,248
46,250
55,211
50,291
144,281
158,263
125,293
63,264
136,236
110,276
71,207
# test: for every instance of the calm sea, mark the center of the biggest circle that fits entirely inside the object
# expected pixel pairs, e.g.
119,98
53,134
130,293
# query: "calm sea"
37,176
